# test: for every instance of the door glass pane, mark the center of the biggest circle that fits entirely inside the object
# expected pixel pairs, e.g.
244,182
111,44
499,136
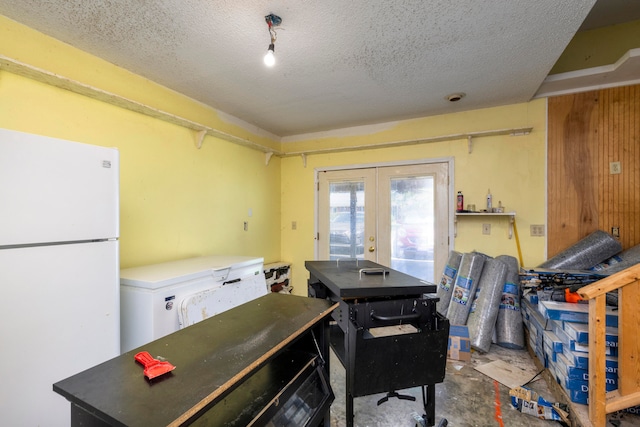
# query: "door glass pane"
412,226
346,221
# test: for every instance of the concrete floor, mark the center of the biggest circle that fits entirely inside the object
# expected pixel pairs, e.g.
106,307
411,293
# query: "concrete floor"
466,398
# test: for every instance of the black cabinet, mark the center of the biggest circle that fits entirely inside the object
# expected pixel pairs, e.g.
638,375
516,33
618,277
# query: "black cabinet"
260,362
387,332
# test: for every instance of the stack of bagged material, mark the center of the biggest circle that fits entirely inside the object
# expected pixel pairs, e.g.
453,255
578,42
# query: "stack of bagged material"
558,330
484,310
593,249
473,285
592,258
599,253
509,331
464,288
472,293
446,283
619,262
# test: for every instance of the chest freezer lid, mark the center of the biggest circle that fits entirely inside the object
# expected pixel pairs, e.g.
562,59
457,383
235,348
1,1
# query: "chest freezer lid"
157,276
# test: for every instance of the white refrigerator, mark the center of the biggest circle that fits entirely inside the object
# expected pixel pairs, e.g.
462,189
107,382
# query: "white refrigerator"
59,270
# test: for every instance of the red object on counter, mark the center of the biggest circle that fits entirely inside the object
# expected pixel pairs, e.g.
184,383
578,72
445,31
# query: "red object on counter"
153,367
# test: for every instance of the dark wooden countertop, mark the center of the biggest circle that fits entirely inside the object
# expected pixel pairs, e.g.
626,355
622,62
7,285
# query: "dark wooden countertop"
211,358
344,280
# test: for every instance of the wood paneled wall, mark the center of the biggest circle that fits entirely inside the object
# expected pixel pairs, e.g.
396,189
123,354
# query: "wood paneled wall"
586,132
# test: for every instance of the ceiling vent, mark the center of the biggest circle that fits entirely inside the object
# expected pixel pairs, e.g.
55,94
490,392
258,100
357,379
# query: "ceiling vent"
455,97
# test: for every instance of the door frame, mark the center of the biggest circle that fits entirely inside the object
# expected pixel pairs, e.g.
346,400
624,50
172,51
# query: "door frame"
450,188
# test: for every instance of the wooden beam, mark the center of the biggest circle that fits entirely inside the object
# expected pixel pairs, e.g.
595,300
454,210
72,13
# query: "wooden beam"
610,283
597,374
616,402
629,344
25,70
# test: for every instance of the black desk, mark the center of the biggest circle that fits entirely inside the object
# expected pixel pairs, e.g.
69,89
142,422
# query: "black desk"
237,357
375,362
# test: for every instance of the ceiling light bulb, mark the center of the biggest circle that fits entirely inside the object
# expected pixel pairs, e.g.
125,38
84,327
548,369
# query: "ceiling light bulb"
270,58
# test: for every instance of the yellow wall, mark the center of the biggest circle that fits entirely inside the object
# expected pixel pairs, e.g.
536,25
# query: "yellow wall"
25,45
512,167
597,47
176,201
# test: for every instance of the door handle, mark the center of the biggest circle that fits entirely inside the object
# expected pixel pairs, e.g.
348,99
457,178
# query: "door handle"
372,248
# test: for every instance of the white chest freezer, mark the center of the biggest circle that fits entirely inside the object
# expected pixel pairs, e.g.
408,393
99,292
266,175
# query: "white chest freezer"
158,299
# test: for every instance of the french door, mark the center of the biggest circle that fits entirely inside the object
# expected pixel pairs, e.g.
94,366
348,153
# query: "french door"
393,215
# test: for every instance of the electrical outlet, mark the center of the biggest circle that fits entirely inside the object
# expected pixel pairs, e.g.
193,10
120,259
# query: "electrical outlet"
615,231
246,226
486,228
537,230
615,168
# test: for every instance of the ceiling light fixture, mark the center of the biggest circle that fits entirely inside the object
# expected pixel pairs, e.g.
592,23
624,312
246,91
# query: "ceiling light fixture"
272,21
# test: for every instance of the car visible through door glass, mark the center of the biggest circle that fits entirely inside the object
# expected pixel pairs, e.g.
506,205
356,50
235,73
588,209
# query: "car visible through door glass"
346,235
414,237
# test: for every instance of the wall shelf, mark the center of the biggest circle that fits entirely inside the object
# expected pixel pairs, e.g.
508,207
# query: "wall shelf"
510,215
201,130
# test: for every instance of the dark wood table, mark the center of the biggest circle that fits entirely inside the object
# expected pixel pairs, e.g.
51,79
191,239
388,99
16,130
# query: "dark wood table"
373,297
237,356
343,279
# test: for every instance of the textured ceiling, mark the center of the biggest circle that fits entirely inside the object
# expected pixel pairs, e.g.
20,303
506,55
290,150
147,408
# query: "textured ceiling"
339,64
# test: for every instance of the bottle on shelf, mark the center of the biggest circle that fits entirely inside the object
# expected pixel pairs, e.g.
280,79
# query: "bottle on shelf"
489,200
460,204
